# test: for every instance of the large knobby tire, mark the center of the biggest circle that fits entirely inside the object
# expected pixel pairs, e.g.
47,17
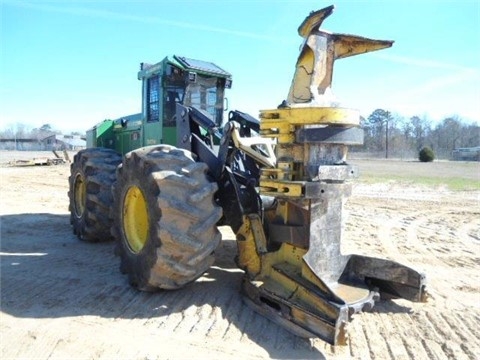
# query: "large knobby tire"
164,218
92,174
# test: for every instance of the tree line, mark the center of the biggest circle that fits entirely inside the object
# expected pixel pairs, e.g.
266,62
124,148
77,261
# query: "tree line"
393,136
386,135
22,131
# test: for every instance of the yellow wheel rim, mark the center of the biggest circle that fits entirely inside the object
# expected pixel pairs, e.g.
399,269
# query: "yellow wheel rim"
135,219
79,195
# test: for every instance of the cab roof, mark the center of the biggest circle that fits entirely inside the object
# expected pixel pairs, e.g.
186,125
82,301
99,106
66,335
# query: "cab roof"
201,66
184,63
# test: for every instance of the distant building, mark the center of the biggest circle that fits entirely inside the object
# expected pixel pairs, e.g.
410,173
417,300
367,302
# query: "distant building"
64,142
466,154
51,142
20,144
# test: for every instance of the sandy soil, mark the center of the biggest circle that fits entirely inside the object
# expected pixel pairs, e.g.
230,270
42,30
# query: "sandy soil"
61,298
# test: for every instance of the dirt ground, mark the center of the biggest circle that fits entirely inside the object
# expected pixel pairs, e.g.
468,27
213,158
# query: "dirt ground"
62,298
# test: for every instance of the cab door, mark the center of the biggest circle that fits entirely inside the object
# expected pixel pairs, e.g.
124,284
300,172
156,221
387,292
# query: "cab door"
152,110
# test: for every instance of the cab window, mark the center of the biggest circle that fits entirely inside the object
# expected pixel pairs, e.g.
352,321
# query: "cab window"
206,93
153,90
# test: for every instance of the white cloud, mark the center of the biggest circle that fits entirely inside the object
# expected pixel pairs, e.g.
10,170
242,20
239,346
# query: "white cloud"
111,15
425,63
455,92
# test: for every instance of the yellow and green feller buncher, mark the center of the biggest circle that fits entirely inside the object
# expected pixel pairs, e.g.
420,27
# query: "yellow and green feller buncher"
160,182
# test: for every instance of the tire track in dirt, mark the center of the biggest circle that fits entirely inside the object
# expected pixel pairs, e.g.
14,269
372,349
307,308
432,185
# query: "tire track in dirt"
435,240
466,324
410,336
463,333
412,233
78,303
451,345
358,343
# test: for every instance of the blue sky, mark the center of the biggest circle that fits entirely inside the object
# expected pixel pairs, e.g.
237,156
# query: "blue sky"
72,64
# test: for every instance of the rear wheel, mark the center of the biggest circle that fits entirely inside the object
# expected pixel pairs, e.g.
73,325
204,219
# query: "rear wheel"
164,217
92,174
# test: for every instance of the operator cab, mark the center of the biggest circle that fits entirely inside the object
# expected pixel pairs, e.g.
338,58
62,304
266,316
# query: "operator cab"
182,80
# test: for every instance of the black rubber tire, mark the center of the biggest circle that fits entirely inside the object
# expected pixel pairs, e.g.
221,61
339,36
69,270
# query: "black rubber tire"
181,233
92,172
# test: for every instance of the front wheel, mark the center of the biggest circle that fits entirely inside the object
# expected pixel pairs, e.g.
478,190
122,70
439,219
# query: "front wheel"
164,217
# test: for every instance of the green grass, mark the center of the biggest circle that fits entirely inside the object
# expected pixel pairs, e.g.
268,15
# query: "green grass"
455,175
452,183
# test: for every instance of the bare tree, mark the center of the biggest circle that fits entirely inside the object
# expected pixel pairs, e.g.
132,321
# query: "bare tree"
396,136
380,121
